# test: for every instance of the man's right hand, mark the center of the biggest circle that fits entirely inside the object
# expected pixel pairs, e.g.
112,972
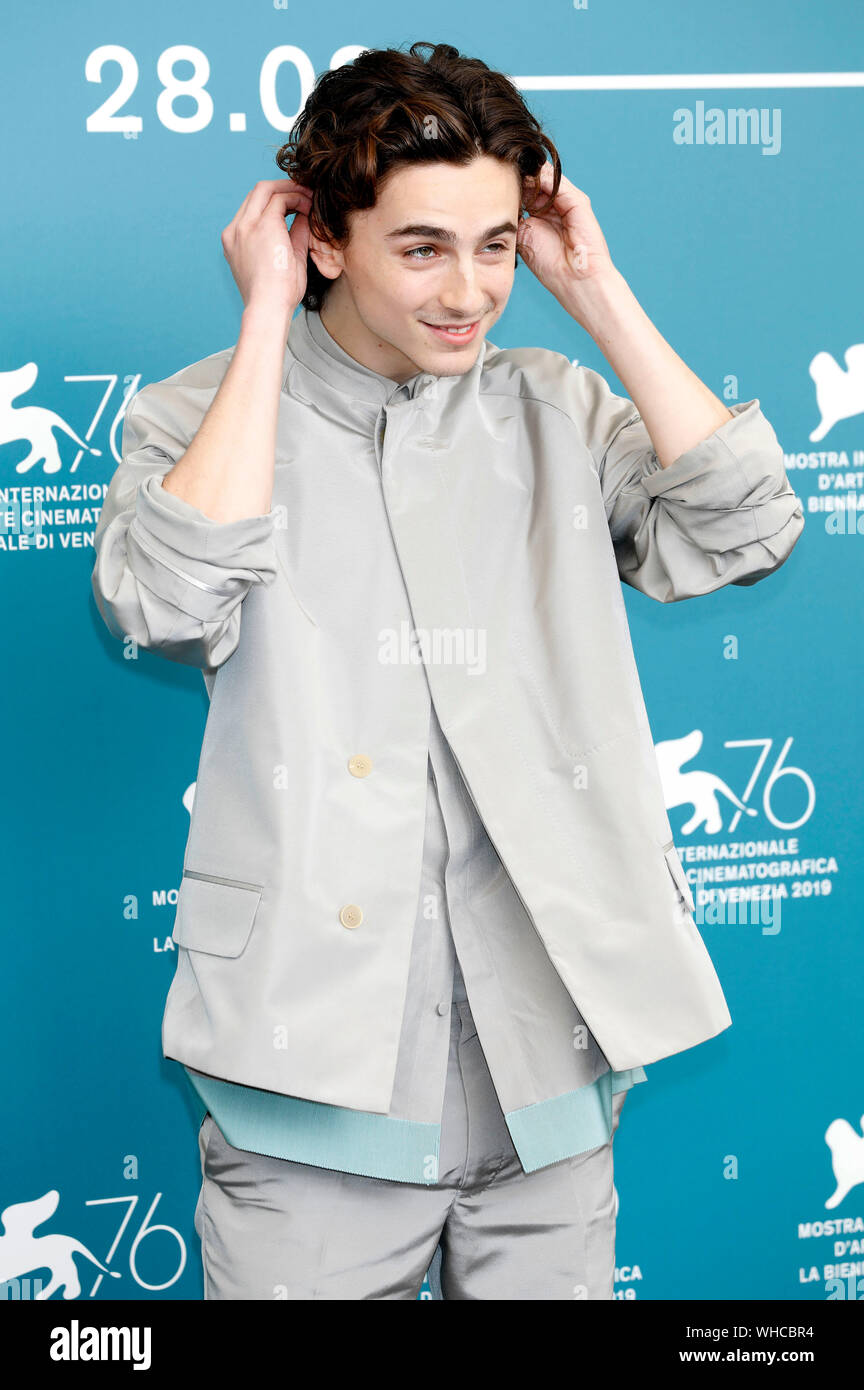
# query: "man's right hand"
267,261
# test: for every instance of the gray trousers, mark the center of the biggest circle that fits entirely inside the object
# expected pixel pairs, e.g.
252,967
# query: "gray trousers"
274,1229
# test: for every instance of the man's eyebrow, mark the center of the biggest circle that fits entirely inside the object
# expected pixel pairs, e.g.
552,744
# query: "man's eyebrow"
431,233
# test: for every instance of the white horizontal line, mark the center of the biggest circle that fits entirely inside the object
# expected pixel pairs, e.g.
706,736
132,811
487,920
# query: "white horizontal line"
653,81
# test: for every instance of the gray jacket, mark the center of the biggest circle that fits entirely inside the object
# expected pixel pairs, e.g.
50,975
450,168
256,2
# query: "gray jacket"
482,524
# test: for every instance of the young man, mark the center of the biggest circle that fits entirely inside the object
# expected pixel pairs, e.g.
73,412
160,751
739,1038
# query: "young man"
432,924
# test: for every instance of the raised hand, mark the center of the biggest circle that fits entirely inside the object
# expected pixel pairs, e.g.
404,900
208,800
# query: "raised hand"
267,260
564,245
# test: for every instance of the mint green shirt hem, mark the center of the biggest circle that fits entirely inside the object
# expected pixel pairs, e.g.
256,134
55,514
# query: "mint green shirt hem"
326,1136
383,1146
570,1124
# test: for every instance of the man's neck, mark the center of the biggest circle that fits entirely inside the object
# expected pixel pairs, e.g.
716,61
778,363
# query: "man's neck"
348,330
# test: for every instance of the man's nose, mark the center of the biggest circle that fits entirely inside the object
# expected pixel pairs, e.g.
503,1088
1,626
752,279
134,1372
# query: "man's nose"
462,294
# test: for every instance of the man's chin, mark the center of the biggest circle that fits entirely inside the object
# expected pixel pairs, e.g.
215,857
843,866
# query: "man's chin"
446,361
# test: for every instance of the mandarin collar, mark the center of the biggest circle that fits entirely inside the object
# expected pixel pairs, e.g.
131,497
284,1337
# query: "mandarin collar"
310,343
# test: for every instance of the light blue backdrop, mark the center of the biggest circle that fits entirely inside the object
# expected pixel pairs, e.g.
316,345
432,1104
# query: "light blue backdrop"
747,257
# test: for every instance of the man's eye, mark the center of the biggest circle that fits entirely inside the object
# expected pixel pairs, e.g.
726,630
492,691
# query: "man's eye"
495,246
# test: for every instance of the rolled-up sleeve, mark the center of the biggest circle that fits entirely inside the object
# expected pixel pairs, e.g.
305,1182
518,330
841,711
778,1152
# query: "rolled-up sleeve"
166,574
724,512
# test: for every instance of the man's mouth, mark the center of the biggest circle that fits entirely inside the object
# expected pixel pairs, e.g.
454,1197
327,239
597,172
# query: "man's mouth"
456,332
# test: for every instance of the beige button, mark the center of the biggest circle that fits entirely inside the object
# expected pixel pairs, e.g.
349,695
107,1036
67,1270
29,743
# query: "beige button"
351,915
359,765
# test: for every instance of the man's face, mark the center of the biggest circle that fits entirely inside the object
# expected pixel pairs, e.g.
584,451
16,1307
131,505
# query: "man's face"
454,268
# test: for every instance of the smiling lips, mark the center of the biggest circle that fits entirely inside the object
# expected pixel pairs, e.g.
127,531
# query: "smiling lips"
458,333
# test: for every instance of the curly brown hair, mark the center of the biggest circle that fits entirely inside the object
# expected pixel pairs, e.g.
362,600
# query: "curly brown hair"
368,117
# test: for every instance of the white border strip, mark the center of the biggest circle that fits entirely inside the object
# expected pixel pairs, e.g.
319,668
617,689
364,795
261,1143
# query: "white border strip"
651,81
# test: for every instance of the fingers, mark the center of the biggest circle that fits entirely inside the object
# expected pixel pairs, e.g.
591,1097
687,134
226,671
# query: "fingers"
281,205
569,196
258,198
293,194
299,234
538,186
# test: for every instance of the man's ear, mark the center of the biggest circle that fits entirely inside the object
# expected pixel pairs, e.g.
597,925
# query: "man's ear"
326,257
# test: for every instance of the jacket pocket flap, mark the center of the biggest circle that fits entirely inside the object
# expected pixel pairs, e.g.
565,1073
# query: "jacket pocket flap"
676,869
215,915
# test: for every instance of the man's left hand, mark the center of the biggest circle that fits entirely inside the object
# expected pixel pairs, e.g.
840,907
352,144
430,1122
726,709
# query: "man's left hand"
565,245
